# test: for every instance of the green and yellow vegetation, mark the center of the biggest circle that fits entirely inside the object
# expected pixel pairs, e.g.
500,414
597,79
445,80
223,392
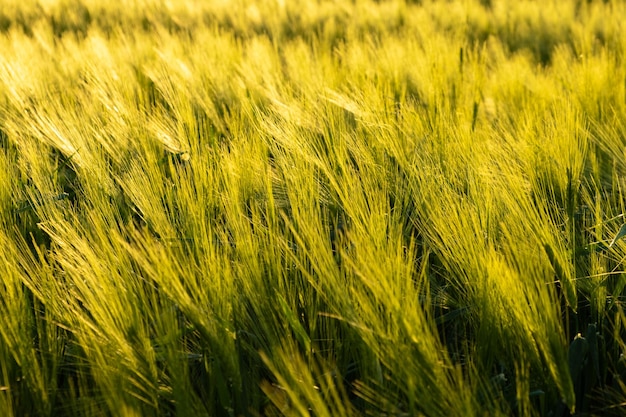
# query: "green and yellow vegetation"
312,208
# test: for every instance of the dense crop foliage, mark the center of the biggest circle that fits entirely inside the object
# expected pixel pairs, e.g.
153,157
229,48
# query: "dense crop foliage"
324,208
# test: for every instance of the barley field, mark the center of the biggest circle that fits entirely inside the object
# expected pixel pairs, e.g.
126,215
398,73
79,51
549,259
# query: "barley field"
312,208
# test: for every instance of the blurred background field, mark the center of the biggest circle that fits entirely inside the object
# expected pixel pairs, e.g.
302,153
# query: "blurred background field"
312,208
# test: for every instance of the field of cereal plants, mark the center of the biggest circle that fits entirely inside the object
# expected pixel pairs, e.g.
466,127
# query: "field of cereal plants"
312,208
